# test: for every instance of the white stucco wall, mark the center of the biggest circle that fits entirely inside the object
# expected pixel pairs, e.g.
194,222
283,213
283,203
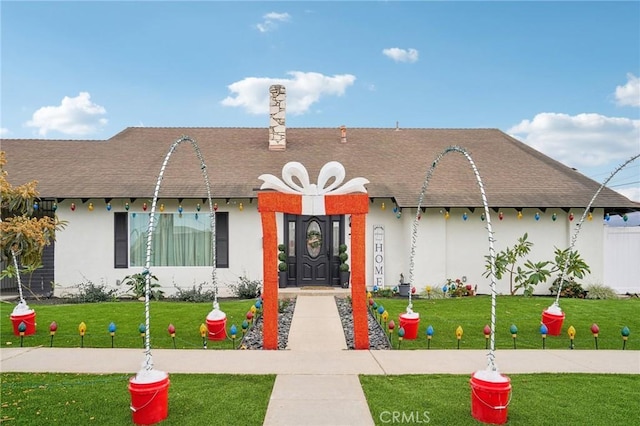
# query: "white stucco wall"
85,249
446,248
453,248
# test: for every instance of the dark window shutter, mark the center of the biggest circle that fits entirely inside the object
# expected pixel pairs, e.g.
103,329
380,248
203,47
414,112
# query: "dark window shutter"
222,240
121,240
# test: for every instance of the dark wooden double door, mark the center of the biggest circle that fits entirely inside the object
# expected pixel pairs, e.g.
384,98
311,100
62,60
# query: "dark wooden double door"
312,248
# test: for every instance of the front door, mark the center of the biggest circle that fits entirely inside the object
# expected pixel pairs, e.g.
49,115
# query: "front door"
313,249
316,243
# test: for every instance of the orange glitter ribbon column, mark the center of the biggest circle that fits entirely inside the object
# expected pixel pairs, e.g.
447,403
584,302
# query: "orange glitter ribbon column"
355,204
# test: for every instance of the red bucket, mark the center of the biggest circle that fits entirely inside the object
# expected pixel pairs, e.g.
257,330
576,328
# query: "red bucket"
553,322
490,398
29,320
149,401
217,328
410,324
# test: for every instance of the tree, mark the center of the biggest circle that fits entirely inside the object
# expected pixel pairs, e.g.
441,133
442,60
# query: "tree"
507,260
23,237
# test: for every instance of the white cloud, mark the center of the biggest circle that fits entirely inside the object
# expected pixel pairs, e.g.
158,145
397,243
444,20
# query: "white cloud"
583,140
4,131
629,94
303,90
632,193
401,55
270,21
74,116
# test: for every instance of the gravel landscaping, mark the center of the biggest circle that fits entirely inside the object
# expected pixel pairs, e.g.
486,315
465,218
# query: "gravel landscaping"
377,337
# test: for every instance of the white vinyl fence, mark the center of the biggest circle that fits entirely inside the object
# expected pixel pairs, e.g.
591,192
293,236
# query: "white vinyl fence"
622,259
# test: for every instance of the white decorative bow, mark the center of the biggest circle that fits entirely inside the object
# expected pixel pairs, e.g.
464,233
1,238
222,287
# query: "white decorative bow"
313,194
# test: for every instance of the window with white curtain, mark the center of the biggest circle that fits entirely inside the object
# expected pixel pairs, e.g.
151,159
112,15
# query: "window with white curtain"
178,239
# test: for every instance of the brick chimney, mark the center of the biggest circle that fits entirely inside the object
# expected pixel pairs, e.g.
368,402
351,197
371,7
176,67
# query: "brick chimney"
277,128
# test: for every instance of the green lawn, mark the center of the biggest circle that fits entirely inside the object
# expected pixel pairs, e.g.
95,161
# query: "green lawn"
127,316
472,313
82,399
537,399
445,315
199,399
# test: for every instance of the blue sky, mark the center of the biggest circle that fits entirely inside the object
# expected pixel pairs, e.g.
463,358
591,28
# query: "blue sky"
563,77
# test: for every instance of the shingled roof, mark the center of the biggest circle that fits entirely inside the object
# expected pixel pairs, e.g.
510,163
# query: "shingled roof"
395,161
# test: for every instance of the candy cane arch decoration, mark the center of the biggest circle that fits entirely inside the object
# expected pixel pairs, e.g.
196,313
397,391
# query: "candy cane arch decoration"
305,198
491,365
148,363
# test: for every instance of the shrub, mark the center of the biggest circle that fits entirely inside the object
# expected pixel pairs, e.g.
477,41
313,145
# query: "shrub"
599,291
383,292
138,285
570,288
89,292
282,257
194,294
246,288
435,293
282,305
344,266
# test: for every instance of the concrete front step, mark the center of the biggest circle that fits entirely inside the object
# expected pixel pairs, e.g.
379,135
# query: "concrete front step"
293,292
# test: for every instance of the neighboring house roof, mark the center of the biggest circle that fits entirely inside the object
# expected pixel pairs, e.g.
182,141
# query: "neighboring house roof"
395,161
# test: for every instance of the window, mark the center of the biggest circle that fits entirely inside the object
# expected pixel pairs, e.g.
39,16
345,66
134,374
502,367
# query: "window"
178,240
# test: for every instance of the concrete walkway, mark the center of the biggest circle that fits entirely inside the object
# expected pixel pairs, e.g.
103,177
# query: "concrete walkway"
317,398
317,378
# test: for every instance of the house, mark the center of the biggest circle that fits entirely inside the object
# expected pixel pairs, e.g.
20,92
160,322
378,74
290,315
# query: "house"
104,189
